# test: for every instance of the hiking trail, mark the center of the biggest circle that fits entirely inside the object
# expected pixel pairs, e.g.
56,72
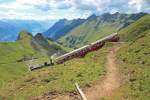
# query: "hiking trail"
109,83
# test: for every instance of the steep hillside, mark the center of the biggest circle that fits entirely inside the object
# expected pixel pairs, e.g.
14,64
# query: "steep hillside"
46,46
134,61
96,27
62,27
136,30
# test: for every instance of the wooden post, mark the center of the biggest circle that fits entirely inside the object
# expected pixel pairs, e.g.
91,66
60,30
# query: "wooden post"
80,91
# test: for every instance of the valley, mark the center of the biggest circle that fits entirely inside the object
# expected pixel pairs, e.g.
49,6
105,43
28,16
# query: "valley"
9,28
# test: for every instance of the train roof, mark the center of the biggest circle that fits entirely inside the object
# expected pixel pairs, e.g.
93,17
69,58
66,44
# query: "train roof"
73,51
104,38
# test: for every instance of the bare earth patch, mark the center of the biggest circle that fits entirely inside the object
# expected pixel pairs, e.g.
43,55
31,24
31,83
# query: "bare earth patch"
58,96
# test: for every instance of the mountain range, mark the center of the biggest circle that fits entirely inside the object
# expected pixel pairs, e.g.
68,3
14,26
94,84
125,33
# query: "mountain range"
72,33
96,27
76,33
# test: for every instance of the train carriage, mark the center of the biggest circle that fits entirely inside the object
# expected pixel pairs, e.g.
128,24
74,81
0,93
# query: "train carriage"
87,48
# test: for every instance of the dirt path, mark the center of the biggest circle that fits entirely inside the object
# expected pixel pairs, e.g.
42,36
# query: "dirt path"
99,89
109,83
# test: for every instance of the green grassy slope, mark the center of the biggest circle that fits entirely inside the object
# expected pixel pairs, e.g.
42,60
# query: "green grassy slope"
9,67
97,27
134,61
12,54
136,30
59,78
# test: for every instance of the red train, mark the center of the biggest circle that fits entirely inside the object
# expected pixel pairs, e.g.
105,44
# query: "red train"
85,49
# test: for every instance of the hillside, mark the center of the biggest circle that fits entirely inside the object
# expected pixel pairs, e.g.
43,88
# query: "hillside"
12,54
39,43
58,79
47,46
62,27
27,46
12,51
96,27
15,56
134,61
136,30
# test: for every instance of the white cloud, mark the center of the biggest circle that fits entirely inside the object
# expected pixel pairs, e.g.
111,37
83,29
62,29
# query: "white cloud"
13,5
32,2
27,16
137,4
56,9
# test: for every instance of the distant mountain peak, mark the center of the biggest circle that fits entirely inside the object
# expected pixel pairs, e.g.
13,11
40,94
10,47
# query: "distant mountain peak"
106,14
63,20
116,13
39,36
93,16
24,34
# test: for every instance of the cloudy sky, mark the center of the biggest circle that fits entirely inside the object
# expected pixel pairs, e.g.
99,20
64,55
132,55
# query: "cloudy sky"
70,9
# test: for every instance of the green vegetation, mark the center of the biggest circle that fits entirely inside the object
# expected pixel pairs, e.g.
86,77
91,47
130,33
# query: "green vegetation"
14,57
45,46
136,30
134,66
85,36
10,54
134,61
58,78
96,27
17,83
88,32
